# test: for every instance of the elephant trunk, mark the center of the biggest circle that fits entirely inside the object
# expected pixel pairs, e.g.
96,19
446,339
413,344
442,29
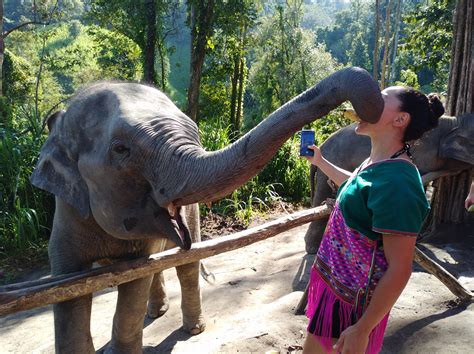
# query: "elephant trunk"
208,176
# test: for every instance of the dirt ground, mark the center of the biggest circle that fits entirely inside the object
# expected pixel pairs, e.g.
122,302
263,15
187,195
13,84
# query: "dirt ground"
250,306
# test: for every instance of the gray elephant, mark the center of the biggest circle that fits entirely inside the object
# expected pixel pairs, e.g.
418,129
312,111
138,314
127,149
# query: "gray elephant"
448,147
127,169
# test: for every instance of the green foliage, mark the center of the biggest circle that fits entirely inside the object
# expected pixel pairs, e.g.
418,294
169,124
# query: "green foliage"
350,37
5,111
285,62
408,78
285,177
214,134
426,45
118,56
129,17
18,80
329,124
26,211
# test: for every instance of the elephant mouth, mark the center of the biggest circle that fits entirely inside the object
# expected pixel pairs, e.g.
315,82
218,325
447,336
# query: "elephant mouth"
182,236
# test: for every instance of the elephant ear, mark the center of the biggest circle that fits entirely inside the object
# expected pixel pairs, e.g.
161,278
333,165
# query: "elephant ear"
57,172
458,143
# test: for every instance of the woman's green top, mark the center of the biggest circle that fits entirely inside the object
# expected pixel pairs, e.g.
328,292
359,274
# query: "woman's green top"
386,197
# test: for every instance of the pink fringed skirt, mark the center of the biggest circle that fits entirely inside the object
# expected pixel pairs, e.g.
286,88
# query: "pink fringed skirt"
341,273
329,316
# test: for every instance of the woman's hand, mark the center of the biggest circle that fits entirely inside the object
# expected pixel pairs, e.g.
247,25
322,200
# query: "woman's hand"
353,340
316,159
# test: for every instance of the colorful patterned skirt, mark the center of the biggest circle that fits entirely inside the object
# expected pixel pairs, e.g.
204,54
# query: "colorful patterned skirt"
339,285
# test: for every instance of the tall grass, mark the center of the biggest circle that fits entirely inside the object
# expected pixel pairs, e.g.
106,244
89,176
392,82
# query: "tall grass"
26,211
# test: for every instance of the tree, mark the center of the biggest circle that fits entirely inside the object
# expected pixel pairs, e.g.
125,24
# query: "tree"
425,43
285,61
350,38
387,36
391,72
450,192
200,18
147,23
149,55
43,18
2,49
375,73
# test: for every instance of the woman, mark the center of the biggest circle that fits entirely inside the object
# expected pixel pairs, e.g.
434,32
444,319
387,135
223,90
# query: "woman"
365,258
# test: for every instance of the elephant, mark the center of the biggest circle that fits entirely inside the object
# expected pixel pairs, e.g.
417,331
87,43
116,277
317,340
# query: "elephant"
448,147
127,170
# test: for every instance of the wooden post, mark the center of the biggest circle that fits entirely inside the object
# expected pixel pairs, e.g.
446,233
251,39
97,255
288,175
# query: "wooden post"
427,264
28,295
442,274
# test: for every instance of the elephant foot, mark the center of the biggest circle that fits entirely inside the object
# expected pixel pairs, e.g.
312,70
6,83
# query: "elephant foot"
157,310
194,328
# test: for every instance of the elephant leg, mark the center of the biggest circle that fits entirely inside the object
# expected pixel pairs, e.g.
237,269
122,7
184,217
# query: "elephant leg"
315,231
314,235
193,321
158,302
127,330
72,326
71,318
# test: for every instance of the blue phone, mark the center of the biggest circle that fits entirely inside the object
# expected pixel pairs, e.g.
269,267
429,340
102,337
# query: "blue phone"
307,139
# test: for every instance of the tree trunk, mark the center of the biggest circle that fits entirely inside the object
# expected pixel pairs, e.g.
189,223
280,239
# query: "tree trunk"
201,28
233,98
149,67
376,45
461,75
2,48
240,96
391,73
239,77
161,53
450,192
385,49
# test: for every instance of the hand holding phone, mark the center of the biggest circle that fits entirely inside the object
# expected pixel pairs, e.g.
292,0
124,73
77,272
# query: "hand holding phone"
307,139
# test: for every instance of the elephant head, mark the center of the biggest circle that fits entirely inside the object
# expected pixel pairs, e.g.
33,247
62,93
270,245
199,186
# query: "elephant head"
124,154
458,142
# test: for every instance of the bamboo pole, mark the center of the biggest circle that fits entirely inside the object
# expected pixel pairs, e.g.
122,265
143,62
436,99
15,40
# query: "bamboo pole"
28,295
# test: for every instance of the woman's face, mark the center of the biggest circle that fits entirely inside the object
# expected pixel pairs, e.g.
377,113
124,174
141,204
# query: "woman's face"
390,112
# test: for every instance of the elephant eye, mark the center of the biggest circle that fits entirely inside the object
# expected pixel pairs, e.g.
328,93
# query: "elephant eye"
121,149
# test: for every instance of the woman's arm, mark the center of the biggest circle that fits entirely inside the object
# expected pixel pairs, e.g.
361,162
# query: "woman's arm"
336,174
399,254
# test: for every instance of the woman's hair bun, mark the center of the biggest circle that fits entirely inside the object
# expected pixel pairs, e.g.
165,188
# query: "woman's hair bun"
436,105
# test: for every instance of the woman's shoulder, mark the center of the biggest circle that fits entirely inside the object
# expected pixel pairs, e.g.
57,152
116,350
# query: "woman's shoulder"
393,171
392,165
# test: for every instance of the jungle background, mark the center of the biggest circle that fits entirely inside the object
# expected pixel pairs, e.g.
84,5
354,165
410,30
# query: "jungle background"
226,63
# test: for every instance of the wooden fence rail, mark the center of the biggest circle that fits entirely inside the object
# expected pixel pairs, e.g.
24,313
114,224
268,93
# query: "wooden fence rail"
42,292
28,295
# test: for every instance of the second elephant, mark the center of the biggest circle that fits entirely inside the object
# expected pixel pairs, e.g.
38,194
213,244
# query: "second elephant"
450,146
